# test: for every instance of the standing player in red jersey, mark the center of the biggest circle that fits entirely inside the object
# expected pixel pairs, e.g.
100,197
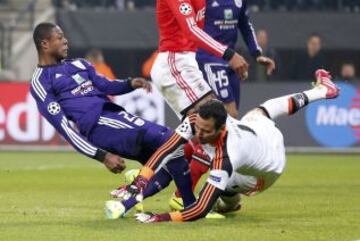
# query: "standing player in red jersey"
175,71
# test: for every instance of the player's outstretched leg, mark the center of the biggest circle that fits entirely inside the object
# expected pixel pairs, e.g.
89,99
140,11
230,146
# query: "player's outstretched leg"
115,209
323,88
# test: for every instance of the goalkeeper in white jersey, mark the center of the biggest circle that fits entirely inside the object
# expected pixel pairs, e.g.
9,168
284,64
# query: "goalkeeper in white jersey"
248,156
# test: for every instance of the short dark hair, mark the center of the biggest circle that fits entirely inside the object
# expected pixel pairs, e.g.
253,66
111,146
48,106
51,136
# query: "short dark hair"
42,31
314,35
214,109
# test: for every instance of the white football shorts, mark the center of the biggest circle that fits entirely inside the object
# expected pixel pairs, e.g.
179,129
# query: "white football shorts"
178,77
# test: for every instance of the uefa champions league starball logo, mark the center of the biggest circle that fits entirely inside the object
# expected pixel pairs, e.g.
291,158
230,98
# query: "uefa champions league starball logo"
336,123
53,108
185,9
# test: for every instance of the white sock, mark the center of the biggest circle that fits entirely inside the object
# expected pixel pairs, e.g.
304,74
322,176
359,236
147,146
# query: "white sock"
277,107
316,93
289,104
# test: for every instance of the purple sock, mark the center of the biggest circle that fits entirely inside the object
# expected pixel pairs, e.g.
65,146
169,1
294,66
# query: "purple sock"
156,184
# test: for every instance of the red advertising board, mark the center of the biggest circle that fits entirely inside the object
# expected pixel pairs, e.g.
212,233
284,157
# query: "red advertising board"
20,122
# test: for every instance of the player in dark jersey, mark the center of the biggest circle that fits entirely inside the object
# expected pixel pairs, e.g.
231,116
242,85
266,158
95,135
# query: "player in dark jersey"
71,91
223,21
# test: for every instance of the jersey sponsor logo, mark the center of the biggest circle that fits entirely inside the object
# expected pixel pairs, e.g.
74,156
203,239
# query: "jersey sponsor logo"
215,178
185,9
53,108
83,88
226,24
336,123
238,3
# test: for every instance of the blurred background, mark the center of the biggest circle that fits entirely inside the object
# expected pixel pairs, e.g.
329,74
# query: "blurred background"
120,36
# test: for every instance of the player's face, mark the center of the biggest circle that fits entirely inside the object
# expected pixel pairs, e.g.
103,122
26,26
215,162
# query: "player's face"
57,44
205,130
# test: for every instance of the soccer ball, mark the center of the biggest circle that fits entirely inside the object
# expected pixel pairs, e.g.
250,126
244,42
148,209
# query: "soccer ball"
176,204
114,209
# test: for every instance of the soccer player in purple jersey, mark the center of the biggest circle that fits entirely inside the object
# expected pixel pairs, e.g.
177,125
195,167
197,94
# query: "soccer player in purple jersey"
70,90
223,20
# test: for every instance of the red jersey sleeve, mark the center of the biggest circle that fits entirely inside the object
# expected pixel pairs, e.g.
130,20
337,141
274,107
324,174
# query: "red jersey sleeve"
185,15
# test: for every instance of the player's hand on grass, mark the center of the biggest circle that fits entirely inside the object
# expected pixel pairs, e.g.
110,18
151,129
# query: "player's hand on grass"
268,63
114,163
239,65
139,82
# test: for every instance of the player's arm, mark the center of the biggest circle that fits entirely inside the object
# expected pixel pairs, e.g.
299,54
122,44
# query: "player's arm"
171,148
248,32
186,18
117,86
51,110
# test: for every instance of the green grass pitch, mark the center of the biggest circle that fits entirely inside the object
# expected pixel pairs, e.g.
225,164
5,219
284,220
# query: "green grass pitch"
60,196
